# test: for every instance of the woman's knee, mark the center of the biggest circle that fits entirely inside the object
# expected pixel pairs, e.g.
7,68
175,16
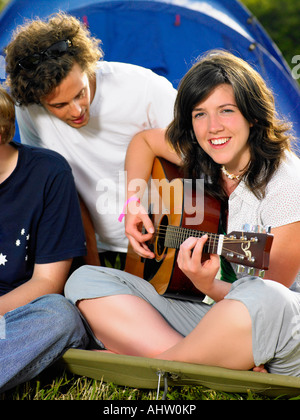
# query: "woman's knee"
76,280
90,282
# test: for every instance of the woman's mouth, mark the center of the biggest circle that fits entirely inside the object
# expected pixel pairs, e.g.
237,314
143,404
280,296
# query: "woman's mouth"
219,142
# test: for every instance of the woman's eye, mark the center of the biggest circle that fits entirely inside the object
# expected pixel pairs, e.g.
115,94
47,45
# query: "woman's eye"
198,115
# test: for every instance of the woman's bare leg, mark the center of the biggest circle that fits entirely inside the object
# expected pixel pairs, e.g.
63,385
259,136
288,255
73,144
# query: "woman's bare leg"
222,338
127,324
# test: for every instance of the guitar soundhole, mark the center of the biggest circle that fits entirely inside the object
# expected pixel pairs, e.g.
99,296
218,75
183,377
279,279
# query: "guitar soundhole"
152,266
161,234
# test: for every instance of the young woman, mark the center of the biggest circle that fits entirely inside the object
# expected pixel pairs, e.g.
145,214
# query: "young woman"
224,130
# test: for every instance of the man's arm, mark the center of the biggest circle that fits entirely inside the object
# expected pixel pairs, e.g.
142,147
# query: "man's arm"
46,279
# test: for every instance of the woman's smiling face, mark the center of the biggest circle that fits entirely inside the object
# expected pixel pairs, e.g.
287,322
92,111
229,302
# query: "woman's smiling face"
221,130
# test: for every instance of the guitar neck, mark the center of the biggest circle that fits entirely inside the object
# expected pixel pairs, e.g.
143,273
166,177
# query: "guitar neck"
175,236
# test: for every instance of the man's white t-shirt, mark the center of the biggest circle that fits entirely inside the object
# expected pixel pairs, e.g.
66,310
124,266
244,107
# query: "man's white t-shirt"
128,99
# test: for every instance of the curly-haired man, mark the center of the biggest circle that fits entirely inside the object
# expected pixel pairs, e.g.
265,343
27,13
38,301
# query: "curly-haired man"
86,109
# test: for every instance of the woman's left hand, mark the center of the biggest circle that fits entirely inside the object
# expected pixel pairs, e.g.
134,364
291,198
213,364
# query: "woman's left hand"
189,260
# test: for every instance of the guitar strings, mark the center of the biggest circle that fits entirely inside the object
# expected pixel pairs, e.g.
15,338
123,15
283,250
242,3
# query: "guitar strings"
207,247
185,232
210,248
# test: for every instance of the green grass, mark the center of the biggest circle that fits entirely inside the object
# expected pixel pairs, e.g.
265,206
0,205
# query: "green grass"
53,385
69,387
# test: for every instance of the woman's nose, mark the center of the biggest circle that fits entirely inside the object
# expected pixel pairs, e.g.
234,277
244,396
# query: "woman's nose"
215,125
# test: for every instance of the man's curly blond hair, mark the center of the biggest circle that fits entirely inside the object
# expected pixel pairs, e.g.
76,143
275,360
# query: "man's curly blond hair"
30,86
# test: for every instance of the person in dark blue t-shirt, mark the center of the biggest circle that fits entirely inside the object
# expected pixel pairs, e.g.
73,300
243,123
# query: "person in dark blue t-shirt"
40,232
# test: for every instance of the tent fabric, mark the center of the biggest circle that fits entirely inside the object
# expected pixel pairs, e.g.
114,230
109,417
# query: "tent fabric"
168,36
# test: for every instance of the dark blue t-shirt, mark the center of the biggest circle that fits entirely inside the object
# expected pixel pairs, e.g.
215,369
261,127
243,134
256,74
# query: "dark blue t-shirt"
40,219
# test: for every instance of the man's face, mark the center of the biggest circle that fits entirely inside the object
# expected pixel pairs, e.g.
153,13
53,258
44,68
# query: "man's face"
70,101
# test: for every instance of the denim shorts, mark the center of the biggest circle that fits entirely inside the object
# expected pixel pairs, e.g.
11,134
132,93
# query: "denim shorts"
274,311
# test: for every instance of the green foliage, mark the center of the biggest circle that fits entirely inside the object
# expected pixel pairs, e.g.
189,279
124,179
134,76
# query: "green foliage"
3,3
281,19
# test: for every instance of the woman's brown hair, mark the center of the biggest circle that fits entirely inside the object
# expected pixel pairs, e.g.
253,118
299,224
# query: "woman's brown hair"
269,136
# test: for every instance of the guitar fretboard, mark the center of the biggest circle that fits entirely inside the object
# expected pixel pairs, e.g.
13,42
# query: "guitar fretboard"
175,236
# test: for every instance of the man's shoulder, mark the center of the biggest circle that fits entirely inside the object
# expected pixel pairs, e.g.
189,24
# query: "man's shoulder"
116,66
126,70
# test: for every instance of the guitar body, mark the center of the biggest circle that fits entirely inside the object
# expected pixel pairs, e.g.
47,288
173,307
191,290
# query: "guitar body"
162,271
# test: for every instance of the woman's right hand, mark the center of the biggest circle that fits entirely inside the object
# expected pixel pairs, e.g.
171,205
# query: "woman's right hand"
134,223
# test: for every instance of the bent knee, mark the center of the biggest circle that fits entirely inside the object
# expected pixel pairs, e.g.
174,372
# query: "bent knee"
75,283
61,320
57,307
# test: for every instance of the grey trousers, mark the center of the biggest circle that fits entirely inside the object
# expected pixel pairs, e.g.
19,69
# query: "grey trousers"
274,311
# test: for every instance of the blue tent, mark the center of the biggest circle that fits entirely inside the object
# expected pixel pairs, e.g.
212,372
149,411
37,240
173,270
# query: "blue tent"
168,35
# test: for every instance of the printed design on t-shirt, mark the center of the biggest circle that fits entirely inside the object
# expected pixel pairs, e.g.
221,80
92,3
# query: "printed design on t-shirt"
3,259
21,241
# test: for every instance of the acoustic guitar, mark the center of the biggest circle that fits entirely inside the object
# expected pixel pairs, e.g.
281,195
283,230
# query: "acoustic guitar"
173,225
